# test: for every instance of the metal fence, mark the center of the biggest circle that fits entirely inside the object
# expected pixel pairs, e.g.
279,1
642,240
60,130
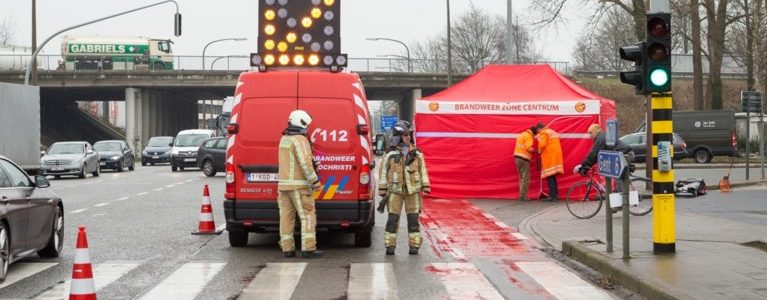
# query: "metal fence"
241,62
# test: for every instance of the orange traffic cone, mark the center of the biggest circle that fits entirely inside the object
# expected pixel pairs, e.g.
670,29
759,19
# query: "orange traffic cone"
207,225
82,273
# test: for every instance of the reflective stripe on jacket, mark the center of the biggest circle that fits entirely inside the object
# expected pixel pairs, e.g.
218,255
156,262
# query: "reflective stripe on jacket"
398,178
524,148
296,168
551,153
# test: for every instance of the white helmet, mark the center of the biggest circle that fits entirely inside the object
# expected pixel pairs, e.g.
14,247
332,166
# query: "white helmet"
300,118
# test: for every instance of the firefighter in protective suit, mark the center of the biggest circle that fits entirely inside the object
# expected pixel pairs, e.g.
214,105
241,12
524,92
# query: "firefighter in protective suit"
297,179
402,177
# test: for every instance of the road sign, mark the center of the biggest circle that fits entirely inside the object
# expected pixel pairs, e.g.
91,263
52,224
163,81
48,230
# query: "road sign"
387,122
750,101
611,136
611,163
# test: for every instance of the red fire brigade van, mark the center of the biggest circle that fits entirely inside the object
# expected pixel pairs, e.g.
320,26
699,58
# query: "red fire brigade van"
340,133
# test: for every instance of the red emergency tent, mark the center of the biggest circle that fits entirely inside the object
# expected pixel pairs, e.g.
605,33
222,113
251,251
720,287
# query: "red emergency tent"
468,131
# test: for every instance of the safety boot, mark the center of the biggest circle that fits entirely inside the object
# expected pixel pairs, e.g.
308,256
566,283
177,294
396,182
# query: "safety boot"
312,254
413,250
390,250
290,253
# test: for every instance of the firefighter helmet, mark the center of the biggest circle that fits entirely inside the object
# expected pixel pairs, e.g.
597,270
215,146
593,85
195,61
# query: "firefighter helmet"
300,118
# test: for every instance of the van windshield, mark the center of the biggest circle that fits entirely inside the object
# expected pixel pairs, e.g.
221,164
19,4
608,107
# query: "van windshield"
190,140
159,141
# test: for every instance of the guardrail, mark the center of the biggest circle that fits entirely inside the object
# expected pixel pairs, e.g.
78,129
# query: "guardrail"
239,63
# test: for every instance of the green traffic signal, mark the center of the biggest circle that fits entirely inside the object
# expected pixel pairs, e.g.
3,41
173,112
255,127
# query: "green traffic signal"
659,78
658,53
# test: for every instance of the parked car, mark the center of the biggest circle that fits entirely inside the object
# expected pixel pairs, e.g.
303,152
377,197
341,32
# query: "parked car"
116,155
31,217
185,145
211,156
157,150
70,158
637,141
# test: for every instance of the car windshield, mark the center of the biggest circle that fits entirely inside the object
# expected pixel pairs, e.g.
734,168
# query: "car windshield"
160,141
110,146
67,149
190,140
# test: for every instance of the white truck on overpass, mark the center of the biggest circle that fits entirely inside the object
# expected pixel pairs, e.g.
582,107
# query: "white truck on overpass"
115,53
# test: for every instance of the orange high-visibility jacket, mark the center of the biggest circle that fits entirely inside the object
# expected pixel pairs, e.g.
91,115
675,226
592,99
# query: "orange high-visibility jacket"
524,148
551,153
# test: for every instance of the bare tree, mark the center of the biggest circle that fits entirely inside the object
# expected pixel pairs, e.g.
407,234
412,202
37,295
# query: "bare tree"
598,49
7,31
748,39
717,21
550,12
478,38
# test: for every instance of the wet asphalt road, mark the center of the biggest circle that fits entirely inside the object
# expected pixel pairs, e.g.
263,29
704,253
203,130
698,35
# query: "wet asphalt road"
144,218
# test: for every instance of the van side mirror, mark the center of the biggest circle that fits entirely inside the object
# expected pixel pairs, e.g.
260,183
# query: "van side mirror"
170,144
42,153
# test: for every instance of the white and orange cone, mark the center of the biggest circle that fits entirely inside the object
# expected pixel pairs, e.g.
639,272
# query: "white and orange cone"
82,287
207,225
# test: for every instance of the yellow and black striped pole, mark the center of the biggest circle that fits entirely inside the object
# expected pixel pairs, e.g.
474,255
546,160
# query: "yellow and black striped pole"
663,216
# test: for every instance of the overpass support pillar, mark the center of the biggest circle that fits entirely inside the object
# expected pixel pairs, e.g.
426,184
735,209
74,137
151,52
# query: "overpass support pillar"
407,105
133,118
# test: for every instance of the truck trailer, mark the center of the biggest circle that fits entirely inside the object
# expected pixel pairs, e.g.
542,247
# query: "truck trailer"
20,125
115,53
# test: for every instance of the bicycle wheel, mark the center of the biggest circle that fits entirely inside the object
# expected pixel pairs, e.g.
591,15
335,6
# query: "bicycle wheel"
644,188
584,200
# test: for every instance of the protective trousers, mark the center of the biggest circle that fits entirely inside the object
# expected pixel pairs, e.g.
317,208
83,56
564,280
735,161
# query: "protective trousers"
297,202
552,182
412,204
523,168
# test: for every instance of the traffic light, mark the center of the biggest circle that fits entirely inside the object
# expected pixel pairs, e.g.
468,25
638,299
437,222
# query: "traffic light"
634,53
658,63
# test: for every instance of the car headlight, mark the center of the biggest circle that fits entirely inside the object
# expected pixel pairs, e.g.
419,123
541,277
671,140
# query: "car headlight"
174,152
116,157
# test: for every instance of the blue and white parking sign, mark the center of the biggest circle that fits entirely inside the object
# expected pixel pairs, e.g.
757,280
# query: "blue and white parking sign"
387,122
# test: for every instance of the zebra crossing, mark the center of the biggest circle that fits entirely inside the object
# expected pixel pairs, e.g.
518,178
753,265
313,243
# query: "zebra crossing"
278,280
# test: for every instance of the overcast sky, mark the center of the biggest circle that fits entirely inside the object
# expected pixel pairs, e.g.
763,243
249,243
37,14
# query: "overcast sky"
206,20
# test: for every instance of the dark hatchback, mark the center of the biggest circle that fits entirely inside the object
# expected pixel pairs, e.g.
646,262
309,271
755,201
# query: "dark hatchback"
211,156
637,141
115,155
157,150
31,217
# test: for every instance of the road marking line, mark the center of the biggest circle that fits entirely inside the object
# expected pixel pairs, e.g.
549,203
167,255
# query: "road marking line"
123,198
464,281
158,189
276,281
102,204
78,211
519,236
560,282
169,186
189,180
186,282
372,281
501,224
220,227
19,271
180,182
141,194
103,274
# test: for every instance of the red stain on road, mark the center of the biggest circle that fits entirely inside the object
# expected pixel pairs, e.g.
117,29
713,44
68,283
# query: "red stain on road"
460,228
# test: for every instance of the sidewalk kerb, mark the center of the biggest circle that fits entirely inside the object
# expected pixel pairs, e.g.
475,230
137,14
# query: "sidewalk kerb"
620,273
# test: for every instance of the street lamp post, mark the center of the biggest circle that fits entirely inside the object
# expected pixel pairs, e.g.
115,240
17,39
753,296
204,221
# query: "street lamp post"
216,41
409,67
177,31
449,51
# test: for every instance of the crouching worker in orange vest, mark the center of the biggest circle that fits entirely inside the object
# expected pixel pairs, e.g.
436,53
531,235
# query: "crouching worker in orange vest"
523,152
402,177
551,158
297,179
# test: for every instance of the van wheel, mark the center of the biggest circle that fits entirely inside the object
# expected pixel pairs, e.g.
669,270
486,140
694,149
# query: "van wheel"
132,166
173,168
363,238
238,238
702,156
143,163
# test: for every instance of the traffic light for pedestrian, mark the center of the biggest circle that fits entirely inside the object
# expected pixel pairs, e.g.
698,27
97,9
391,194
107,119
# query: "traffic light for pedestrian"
658,68
636,78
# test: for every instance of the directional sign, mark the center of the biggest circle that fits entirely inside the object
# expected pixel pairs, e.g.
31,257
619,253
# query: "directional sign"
611,163
387,122
611,135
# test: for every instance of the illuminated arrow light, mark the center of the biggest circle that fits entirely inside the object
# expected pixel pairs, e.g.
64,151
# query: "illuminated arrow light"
298,59
306,22
269,59
269,29
269,15
269,44
316,13
314,59
284,59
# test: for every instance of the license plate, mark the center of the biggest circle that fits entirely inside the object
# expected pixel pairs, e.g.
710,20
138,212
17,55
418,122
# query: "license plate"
57,168
262,177
155,157
103,164
190,159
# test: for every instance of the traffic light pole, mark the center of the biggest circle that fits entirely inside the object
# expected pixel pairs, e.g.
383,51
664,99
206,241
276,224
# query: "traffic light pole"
663,200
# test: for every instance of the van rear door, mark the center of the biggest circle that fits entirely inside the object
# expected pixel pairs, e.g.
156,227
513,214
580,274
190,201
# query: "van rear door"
336,145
